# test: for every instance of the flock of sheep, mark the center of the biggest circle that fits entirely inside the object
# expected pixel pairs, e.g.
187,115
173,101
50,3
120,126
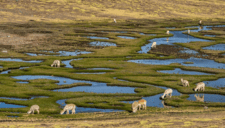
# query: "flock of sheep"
136,105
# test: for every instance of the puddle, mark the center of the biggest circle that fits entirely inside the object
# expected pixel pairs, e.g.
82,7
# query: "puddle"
197,62
67,62
189,51
13,98
178,37
207,97
99,69
126,37
180,71
5,105
20,60
84,109
7,71
147,34
216,83
1,67
210,35
96,37
62,53
220,47
90,72
97,87
99,43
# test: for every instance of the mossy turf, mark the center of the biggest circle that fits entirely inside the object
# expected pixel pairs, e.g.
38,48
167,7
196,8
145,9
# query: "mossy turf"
72,37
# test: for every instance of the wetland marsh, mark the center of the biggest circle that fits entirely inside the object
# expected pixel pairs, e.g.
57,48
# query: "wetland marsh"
100,78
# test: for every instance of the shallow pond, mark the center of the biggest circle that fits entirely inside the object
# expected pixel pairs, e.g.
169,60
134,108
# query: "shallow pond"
207,97
20,60
220,47
180,71
216,83
96,87
5,105
84,109
126,37
62,53
178,37
7,71
96,37
197,62
100,43
67,62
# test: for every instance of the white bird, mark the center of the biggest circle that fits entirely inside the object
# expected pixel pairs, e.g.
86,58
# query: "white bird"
189,31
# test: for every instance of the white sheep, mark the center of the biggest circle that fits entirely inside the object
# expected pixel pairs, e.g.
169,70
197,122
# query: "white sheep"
167,92
167,32
199,98
153,45
134,106
185,83
69,107
200,87
33,108
137,105
56,63
200,22
142,103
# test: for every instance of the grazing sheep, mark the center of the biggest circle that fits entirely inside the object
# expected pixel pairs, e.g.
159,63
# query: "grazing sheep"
200,86
142,103
33,108
165,106
200,22
153,45
69,107
185,83
167,92
114,20
135,106
56,63
199,98
167,32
